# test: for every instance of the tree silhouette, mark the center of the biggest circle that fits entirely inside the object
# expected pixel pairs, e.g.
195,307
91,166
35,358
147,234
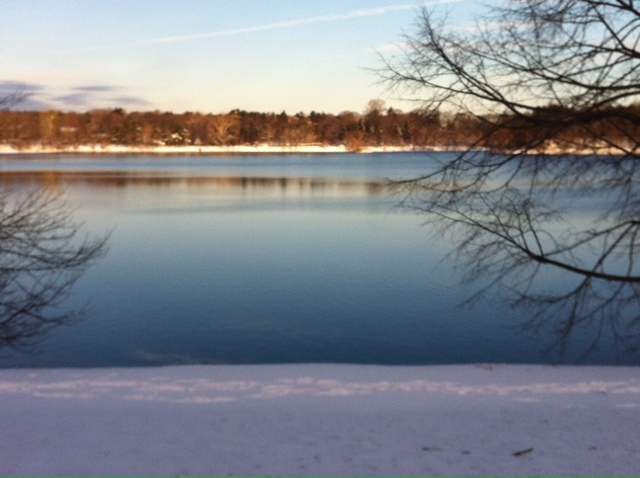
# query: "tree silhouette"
41,258
553,77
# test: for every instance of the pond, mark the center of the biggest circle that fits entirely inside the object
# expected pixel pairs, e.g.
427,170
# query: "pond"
267,259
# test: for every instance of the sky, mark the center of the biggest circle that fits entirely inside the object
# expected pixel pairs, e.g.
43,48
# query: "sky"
209,56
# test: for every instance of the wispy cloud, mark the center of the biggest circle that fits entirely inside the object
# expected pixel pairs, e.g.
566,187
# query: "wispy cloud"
95,88
72,100
130,101
8,87
378,11
292,23
87,97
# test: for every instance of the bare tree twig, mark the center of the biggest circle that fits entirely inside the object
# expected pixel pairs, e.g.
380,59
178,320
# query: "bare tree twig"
550,74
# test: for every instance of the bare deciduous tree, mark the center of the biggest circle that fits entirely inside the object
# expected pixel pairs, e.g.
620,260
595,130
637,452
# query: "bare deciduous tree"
552,73
41,258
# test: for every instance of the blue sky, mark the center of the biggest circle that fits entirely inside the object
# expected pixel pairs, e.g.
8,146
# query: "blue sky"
204,55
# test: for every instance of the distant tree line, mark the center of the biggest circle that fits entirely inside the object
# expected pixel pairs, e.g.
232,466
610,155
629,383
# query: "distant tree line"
376,126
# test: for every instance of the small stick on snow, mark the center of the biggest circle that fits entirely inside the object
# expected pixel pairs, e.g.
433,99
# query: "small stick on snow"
523,452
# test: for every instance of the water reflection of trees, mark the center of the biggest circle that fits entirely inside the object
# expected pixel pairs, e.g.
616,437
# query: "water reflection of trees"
571,268
41,257
57,179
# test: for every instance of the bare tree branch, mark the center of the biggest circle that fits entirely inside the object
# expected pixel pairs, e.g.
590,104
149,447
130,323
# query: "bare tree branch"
41,258
540,75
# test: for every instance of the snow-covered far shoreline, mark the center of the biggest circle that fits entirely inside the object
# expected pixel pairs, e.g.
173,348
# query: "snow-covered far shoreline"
319,420
240,149
6,149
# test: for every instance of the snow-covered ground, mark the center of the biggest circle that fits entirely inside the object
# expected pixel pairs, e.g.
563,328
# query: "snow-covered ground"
321,420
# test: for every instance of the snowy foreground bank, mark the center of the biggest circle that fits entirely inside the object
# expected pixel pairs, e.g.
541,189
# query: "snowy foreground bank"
321,420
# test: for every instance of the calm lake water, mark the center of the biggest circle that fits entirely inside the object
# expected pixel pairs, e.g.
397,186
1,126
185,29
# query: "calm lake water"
267,259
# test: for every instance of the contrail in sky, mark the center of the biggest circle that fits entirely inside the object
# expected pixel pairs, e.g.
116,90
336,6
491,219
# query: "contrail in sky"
291,23
271,26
